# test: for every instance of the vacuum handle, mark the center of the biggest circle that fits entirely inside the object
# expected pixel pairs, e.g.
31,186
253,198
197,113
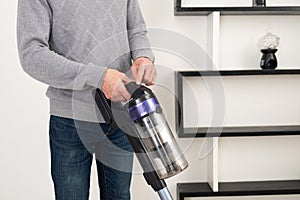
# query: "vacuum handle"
104,107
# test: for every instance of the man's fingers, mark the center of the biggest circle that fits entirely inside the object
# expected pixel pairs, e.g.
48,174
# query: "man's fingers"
140,74
152,77
143,71
118,99
134,71
113,85
126,79
124,93
120,93
147,74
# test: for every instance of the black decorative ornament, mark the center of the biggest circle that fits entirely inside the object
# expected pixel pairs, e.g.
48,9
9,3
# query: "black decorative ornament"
268,45
259,3
268,60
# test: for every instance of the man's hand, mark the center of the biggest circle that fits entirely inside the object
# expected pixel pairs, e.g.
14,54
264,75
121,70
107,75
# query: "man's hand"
113,86
143,71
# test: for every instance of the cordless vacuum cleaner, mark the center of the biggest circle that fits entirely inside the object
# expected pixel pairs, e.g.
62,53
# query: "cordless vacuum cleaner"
149,134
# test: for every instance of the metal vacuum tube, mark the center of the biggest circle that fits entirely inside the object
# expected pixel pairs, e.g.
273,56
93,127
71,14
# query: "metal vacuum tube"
154,132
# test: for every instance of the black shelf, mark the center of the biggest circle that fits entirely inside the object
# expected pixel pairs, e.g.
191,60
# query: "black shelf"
240,72
284,10
257,188
236,131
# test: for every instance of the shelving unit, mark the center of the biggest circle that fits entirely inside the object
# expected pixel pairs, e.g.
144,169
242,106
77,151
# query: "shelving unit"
213,187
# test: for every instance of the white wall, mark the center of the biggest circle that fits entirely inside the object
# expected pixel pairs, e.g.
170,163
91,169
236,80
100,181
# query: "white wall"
24,149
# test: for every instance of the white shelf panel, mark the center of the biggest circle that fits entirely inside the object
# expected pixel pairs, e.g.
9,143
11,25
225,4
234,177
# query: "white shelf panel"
216,3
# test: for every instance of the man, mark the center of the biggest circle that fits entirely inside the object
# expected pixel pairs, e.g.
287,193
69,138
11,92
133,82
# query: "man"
76,46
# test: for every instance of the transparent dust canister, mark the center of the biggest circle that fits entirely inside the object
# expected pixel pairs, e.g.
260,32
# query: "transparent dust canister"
155,134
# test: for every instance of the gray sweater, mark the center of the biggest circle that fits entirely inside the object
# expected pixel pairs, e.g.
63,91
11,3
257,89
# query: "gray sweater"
69,44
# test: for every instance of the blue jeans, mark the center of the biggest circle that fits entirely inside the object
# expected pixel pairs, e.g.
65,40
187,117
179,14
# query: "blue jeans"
72,145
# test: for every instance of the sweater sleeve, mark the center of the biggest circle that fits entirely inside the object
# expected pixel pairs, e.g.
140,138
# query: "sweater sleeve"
137,32
34,24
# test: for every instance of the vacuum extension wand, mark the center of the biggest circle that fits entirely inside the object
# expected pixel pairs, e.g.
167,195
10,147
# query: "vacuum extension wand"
149,134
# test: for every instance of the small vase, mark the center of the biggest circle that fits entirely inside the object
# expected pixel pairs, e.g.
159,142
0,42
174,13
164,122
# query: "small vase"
268,60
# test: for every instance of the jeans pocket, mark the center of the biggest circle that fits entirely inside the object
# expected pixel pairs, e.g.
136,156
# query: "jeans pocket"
63,131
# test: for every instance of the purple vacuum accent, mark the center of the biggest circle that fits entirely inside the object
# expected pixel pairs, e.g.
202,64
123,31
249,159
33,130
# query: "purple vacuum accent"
143,108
